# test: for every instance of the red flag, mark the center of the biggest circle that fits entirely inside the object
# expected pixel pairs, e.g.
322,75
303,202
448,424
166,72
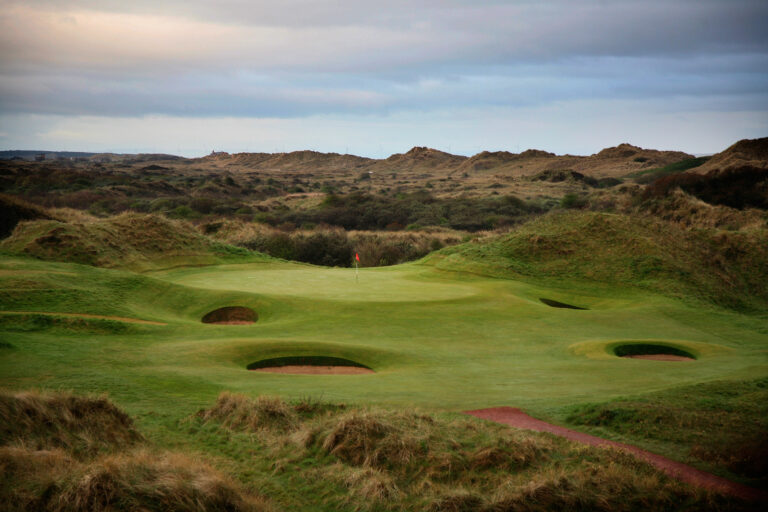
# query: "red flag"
357,257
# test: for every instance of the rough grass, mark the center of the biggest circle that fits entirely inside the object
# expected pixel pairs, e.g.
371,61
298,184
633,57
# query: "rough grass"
723,267
648,175
135,480
129,240
407,460
722,424
83,426
30,322
62,452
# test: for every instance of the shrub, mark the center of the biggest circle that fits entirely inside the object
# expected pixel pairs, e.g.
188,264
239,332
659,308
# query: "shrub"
573,201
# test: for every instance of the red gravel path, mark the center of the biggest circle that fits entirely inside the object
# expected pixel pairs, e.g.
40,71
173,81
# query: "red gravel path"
517,418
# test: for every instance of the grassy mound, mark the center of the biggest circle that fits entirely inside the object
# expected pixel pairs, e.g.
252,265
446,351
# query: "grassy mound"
375,459
727,268
138,480
61,452
129,240
80,425
33,292
720,425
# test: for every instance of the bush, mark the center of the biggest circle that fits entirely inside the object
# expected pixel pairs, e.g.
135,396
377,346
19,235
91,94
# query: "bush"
573,201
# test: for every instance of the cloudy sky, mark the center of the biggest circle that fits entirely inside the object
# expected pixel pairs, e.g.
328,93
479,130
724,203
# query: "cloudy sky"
374,77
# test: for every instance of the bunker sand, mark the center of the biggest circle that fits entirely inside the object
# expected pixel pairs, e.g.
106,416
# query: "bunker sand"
518,419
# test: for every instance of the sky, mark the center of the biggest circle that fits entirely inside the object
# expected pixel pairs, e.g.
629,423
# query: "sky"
373,78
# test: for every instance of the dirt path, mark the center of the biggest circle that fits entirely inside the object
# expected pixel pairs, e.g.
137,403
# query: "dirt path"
84,315
517,418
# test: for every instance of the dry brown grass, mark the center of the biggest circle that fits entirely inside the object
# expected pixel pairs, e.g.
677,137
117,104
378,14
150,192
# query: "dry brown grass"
365,439
372,484
136,480
151,481
60,452
83,426
241,412
404,460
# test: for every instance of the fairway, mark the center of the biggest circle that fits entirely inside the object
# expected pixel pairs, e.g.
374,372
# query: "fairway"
435,339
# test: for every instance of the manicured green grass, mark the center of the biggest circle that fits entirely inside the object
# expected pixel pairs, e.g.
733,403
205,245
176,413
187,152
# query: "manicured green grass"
436,339
440,340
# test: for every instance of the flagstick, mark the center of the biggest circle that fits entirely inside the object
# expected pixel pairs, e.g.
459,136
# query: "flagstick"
355,269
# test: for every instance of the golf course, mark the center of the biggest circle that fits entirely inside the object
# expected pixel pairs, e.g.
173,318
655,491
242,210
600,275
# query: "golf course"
439,340
191,352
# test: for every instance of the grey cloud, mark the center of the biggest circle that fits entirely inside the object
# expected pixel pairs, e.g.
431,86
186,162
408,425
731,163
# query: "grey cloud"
300,57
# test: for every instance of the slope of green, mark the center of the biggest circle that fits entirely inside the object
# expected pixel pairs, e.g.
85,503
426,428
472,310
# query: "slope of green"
132,241
728,268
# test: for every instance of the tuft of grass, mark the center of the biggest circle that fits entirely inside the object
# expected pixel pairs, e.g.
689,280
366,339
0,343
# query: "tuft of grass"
62,452
151,481
406,460
83,426
240,412
137,480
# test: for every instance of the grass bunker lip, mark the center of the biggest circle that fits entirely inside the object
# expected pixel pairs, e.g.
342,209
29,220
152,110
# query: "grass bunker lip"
310,365
653,351
231,315
558,304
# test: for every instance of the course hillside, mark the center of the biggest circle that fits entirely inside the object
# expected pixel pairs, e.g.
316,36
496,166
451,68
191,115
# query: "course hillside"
746,152
728,268
132,241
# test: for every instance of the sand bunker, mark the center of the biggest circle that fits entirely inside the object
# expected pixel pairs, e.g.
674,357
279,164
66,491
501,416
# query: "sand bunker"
556,304
231,315
653,352
310,365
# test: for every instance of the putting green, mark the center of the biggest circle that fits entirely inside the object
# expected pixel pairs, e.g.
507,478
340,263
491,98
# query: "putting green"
447,341
377,285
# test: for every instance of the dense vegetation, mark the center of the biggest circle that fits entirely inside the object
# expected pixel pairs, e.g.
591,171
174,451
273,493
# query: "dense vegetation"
743,187
364,211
